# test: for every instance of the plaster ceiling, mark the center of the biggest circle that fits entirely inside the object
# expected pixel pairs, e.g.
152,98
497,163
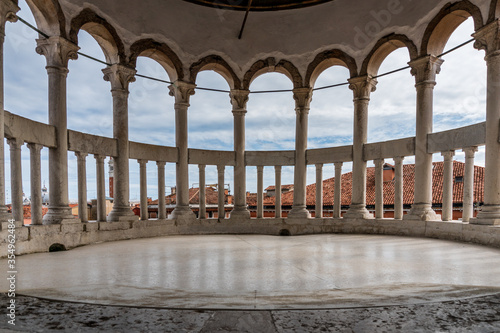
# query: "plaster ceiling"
257,5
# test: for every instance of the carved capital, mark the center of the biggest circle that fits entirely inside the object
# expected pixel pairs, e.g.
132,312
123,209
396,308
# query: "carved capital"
161,164
15,143
182,91
81,157
119,76
399,160
35,147
448,155
239,99
303,98
425,69
379,162
57,51
362,86
487,38
470,151
99,158
8,10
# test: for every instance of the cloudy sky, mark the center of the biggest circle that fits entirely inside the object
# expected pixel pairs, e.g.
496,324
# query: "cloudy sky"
459,100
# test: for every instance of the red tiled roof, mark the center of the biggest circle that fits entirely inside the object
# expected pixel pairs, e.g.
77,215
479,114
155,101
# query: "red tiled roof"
283,187
211,196
408,187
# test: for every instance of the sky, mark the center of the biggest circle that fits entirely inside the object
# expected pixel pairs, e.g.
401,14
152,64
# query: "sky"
459,100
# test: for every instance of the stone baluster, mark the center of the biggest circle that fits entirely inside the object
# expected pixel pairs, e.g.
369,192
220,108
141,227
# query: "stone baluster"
162,211
277,197
319,191
16,179
143,181
468,197
337,198
379,188
222,196
260,191
398,187
202,214
36,183
101,188
82,186
447,205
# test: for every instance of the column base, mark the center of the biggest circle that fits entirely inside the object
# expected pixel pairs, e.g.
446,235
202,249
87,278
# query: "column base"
183,215
240,212
122,214
422,212
299,213
489,215
5,216
59,215
358,211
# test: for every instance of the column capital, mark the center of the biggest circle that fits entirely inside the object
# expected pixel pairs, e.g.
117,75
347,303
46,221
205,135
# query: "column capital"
119,76
15,143
303,98
338,164
488,38
35,147
425,69
319,166
57,51
99,158
221,168
362,86
80,155
398,159
142,162
8,10
260,168
182,91
379,162
239,99
448,155
161,164
277,168
201,166
470,151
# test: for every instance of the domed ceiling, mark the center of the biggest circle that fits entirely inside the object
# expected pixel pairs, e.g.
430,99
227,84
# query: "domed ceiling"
257,5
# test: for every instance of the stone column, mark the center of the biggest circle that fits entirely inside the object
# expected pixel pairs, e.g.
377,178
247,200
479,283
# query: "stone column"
182,91
162,211
82,186
468,201
101,188
361,87
337,195
57,52
239,99
36,183
302,98
221,209
143,184
8,10
202,214
120,77
16,179
379,188
447,205
488,39
260,191
424,69
277,197
319,191
398,187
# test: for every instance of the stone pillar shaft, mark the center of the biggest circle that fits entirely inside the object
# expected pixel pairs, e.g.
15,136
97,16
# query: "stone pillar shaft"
447,205
319,191
398,187
337,194
182,91
379,188
362,87
425,70
202,214
488,38
36,183
101,188
82,186
221,202
8,10
16,179
302,98
143,184
239,99
277,183
162,211
58,51
468,197
260,191
120,77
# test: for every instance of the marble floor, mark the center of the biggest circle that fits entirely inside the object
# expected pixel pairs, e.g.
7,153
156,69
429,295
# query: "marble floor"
252,272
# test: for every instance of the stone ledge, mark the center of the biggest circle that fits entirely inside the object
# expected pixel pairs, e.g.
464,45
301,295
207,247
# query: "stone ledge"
107,226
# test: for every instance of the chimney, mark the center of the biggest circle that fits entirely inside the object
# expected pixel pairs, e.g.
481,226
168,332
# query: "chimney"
388,172
111,167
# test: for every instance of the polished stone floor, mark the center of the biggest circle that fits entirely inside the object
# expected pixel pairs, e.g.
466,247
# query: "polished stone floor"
262,272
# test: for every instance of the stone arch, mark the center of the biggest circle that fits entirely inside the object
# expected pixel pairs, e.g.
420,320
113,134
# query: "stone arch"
218,65
444,24
383,48
49,17
159,52
269,65
328,59
103,32
494,12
